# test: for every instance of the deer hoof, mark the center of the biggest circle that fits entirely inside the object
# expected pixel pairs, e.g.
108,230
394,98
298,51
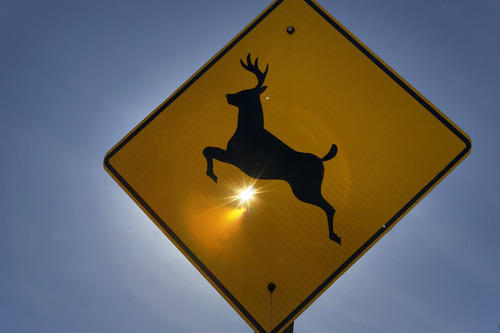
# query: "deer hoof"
210,173
335,238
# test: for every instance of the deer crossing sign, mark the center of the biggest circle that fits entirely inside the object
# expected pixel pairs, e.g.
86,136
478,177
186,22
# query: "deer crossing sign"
284,159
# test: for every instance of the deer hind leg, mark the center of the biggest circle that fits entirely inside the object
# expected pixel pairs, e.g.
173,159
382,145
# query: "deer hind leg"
312,195
219,154
330,212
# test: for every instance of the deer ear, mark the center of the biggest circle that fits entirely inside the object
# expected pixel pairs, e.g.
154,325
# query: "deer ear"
262,89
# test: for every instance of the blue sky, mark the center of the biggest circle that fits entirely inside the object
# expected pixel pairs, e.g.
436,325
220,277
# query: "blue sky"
77,255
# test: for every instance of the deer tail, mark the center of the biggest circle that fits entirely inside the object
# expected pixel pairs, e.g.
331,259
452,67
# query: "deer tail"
331,154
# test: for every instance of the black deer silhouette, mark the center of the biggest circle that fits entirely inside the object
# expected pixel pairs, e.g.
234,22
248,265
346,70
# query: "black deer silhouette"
261,155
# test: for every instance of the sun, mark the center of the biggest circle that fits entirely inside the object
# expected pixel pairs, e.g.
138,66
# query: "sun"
245,195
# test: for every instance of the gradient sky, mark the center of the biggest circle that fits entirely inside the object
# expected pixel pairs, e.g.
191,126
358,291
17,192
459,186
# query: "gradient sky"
78,255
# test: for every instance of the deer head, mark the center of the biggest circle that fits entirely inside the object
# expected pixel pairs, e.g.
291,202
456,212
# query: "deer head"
250,96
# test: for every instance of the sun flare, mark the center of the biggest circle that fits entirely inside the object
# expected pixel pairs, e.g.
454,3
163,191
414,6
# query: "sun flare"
245,195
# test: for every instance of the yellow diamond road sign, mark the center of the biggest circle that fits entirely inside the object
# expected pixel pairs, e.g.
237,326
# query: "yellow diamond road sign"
284,159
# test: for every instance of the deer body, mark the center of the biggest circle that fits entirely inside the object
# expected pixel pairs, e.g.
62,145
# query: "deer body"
261,155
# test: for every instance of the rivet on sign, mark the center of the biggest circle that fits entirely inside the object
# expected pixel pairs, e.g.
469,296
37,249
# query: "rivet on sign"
271,287
290,30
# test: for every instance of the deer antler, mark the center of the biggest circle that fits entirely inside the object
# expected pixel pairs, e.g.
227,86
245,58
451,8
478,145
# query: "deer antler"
254,68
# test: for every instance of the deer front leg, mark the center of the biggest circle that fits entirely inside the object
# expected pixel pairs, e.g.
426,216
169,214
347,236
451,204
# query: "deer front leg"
219,154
